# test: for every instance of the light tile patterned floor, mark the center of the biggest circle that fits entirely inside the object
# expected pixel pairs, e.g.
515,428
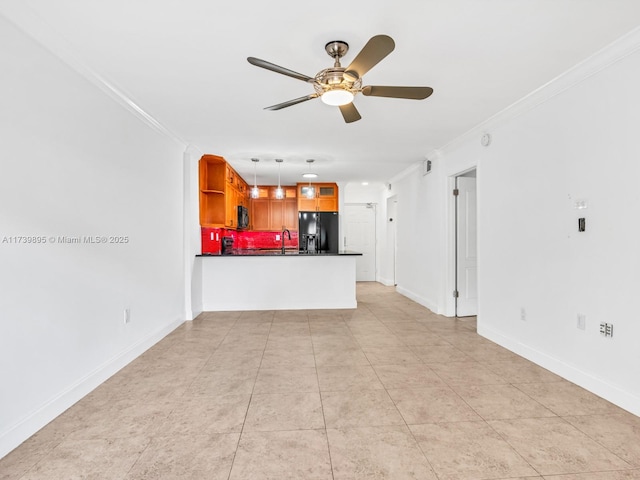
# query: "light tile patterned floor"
386,391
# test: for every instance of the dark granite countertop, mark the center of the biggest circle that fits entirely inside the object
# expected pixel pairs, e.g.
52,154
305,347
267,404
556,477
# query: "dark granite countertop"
276,253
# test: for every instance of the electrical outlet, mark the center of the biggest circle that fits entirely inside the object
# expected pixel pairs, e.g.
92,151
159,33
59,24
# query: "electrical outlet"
606,329
127,315
582,321
523,314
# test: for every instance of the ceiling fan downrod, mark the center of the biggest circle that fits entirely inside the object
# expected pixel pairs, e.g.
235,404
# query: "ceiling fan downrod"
336,50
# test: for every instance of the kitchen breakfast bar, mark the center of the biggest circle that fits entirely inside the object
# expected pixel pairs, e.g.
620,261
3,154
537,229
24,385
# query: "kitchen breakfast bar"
271,280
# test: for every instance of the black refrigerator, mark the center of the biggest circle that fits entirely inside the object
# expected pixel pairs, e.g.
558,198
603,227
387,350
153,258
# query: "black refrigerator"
318,232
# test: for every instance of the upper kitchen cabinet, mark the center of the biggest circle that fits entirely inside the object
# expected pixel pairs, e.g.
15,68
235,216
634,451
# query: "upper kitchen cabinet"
213,174
284,211
269,213
325,198
259,211
222,190
237,183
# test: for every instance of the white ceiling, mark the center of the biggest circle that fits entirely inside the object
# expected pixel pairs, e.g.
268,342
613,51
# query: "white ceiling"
184,63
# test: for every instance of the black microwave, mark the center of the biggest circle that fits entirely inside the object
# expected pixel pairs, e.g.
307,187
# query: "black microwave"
243,217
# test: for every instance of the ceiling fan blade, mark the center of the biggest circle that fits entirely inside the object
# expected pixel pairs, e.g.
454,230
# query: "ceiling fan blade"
295,101
350,112
278,69
375,50
414,93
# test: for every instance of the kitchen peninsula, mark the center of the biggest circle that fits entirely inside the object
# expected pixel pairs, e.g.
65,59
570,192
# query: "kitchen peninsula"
274,249
254,280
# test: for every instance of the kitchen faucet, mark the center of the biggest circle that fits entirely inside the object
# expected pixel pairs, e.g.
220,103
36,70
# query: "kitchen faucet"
289,234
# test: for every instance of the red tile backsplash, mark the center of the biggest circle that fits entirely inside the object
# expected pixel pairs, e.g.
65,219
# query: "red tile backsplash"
244,240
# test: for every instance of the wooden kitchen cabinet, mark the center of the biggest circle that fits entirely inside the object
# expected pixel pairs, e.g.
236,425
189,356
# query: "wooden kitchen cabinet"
212,186
260,214
284,211
284,214
231,203
290,213
243,192
259,210
306,204
235,195
269,213
325,199
221,191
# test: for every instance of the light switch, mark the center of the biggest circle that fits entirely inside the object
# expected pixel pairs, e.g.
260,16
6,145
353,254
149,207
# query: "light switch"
581,224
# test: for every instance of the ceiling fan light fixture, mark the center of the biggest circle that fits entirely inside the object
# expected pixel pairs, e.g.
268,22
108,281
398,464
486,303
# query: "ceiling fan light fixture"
337,97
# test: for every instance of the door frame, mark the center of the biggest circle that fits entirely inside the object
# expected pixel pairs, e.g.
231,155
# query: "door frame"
458,199
449,300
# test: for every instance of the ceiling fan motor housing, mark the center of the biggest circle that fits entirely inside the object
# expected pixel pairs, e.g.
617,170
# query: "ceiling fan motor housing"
337,49
333,78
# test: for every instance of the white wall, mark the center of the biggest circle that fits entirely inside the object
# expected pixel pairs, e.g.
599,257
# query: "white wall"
75,162
192,234
420,229
581,144
573,140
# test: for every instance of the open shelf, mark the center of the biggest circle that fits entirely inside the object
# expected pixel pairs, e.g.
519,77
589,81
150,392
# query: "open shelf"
212,173
212,209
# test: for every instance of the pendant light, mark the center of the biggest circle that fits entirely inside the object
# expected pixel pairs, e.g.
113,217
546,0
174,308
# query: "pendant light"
311,192
255,191
279,191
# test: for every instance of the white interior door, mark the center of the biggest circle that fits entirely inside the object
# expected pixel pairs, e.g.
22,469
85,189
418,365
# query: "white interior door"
360,228
466,247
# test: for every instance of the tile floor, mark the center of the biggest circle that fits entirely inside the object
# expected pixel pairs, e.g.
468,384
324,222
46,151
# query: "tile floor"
386,391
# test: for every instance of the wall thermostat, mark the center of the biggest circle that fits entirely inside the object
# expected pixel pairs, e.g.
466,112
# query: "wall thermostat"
485,140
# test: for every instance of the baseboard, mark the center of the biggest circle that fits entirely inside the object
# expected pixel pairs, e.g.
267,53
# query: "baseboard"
387,282
425,302
613,393
25,428
191,314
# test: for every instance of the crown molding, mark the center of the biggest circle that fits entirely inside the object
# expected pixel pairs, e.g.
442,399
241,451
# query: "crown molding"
603,58
27,21
404,173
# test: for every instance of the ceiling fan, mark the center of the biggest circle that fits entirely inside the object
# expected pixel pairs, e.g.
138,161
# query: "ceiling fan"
338,85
